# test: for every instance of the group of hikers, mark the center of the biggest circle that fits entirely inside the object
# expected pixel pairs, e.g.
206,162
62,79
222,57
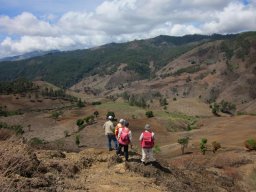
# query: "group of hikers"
121,135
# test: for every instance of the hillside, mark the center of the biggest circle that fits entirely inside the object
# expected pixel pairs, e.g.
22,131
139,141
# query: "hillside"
212,71
67,68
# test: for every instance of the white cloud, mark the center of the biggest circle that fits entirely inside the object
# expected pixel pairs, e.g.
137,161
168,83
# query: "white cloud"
234,18
26,24
123,20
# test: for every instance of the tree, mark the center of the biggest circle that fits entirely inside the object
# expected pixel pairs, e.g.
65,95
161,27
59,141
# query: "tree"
203,146
184,143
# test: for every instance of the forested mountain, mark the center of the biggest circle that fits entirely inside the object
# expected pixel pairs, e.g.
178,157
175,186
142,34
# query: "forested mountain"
67,68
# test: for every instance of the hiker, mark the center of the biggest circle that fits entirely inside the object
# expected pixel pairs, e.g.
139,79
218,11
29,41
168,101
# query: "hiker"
147,139
120,124
109,132
124,139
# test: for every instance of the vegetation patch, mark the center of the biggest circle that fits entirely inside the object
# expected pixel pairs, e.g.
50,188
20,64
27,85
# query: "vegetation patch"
4,112
190,69
179,121
18,129
250,144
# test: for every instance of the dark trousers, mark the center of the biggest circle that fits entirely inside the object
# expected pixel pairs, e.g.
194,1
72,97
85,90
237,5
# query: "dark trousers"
126,155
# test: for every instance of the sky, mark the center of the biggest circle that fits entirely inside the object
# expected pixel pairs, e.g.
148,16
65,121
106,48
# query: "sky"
32,25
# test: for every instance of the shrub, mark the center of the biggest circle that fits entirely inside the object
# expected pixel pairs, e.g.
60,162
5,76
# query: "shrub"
80,103
96,113
18,129
184,143
89,119
250,144
215,108
35,141
96,103
149,114
77,140
80,123
163,102
215,146
203,146
55,115
156,149
227,107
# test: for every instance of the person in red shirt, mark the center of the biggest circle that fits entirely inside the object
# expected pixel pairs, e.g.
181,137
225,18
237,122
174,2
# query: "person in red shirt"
147,141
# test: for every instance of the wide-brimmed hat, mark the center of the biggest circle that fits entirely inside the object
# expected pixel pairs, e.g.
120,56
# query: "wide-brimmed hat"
147,127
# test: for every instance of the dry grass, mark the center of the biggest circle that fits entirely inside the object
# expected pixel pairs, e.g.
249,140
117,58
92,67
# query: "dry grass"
230,160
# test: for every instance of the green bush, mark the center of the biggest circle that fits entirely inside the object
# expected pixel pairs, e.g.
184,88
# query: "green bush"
156,149
35,141
18,129
96,103
250,144
203,146
96,113
89,119
80,103
149,114
80,123
215,108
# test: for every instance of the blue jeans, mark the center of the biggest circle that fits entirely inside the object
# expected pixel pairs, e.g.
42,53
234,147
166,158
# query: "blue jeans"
112,137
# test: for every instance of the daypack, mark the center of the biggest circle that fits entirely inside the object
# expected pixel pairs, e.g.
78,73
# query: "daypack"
117,128
124,136
147,141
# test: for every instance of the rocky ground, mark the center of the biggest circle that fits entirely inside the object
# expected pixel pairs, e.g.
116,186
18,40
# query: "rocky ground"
23,168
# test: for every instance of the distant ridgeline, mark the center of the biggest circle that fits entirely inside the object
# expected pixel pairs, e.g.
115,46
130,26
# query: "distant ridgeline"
26,87
64,69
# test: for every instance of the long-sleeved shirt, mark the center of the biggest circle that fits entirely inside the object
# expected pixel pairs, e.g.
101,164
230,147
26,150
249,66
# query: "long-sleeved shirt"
109,128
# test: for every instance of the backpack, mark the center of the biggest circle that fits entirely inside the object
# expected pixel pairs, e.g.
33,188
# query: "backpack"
124,136
117,128
147,141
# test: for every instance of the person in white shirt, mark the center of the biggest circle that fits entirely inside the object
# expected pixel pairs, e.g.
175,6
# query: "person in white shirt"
109,132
